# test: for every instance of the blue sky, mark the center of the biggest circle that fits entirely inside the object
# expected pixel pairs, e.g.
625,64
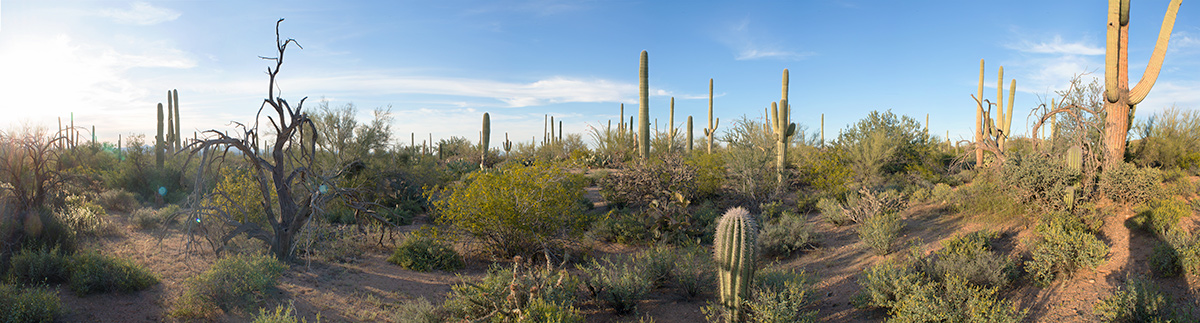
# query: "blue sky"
441,64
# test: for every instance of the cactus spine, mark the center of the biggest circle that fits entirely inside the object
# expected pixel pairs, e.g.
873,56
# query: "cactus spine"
644,109
734,251
158,139
712,123
1121,101
485,138
782,128
689,135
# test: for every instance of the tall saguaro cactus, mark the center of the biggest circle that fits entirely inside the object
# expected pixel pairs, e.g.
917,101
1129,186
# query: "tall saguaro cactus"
507,144
671,131
992,133
782,128
159,143
485,139
689,135
170,123
178,134
734,251
644,108
711,131
1120,101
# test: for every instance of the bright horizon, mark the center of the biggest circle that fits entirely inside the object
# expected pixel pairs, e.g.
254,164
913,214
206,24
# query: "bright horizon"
441,65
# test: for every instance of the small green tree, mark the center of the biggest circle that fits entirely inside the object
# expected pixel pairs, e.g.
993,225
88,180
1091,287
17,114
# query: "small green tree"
516,209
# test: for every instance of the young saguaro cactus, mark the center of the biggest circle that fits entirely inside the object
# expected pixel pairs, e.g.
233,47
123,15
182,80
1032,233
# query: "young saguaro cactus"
1121,101
689,135
782,128
734,251
711,131
644,108
507,144
485,138
159,142
671,131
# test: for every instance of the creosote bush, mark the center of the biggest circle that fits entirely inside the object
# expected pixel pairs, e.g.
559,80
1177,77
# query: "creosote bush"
1130,184
879,232
619,285
641,183
233,282
1065,245
422,252
515,210
40,266
95,273
784,235
971,257
694,271
781,297
1140,301
28,304
911,292
522,293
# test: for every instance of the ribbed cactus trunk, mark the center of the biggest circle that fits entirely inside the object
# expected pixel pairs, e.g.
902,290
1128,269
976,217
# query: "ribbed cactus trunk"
1121,101
485,138
158,140
734,251
170,123
507,144
711,131
178,134
644,109
783,129
689,135
671,127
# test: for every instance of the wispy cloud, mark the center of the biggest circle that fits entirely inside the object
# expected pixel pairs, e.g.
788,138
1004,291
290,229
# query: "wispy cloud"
1058,46
512,94
751,44
140,13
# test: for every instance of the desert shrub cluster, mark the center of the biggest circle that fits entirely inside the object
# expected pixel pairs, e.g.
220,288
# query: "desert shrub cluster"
85,273
234,282
1065,244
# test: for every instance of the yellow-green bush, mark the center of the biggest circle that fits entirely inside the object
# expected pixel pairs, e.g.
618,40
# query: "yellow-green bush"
28,304
40,266
1065,244
237,194
422,252
95,273
1130,184
911,293
233,282
1140,301
515,209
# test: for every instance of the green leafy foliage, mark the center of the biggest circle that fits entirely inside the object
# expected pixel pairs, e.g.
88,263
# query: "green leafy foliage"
1130,184
1065,244
781,297
694,271
281,314
1161,217
508,295
879,232
883,148
95,273
1170,140
912,293
417,310
516,209
40,266
785,234
1139,300
118,200
1039,179
28,304
970,256
85,217
642,183
422,252
619,285
233,282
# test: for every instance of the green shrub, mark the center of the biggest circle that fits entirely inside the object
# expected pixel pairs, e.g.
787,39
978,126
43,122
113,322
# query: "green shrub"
868,203
879,232
417,310
981,198
833,211
149,218
333,242
1161,217
422,252
1139,301
1164,261
781,297
694,271
95,273
509,292
28,304
118,200
516,209
619,285
643,182
970,257
1130,184
621,227
785,235
541,311
233,282
750,181
710,173
1065,244
656,263
911,295
941,193
1038,179
826,170
281,314
40,266
85,217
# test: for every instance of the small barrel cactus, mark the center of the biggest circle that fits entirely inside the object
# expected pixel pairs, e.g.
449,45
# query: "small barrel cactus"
734,251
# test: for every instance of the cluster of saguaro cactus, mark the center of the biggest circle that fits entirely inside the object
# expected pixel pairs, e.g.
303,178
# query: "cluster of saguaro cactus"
171,139
485,139
644,108
782,128
989,131
711,131
1075,165
734,251
1120,101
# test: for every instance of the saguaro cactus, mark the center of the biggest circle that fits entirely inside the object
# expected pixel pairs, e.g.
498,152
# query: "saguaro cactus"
170,123
507,144
711,131
1075,165
485,139
178,134
644,109
734,251
689,135
158,139
1120,101
993,129
782,128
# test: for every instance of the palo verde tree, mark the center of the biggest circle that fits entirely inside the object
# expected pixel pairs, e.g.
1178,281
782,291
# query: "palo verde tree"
292,191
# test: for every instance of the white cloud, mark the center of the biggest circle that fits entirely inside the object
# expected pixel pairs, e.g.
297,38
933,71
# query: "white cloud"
1057,46
753,53
140,13
511,94
751,45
